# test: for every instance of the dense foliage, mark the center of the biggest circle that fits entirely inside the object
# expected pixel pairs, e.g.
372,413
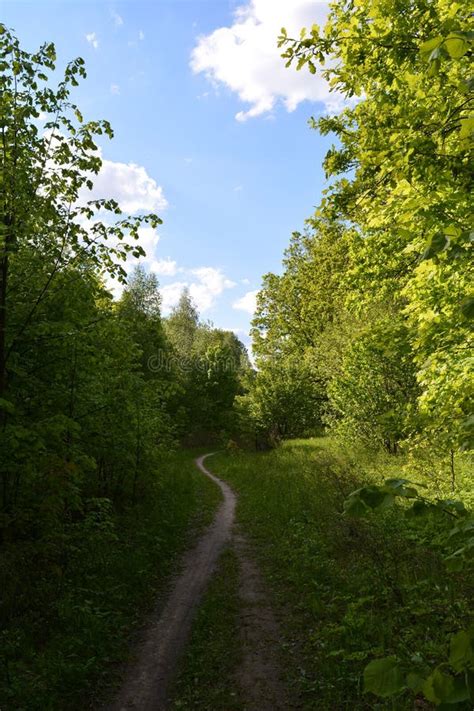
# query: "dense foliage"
94,392
367,333
356,591
368,329
376,297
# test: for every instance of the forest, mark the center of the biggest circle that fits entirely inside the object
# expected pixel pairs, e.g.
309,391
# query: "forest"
347,436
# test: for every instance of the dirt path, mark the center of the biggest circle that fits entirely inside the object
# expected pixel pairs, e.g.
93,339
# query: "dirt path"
259,675
147,681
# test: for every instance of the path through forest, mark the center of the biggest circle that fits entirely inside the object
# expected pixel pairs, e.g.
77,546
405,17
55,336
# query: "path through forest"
147,681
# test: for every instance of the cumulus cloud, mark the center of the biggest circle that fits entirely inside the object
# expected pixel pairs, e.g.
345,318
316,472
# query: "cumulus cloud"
164,267
170,294
205,285
247,302
210,284
135,191
130,185
118,20
91,37
245,58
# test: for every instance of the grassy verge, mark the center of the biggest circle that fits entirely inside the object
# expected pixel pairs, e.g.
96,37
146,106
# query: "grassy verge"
353,589
68,624
206,681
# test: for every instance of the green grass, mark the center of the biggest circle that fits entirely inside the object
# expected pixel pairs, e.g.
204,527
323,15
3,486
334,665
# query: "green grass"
206,681
70,604
352,589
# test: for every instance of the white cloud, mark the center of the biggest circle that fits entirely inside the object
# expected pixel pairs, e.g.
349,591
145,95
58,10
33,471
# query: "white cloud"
91,37
245,57
118,20
164,267
135,191
210,284
114,89
141,35
205,285
129,184
247,302
170,294
238,189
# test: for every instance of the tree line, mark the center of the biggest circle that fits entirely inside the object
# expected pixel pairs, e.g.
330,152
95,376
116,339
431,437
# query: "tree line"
93,390
368,329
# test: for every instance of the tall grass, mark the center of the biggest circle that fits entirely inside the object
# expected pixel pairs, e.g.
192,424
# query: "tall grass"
351,589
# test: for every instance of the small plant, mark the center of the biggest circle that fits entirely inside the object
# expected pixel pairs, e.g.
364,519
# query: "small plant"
450,682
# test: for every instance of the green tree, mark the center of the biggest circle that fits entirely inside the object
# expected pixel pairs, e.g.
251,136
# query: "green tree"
400,174
43,174
182,324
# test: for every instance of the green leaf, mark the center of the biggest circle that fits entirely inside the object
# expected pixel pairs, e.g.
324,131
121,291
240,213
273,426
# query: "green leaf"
467,127
399,489
461,651
438,686
437,243
456,45
460,691
383,677
431,44
301,61
419,508
434,66
372,496
354,506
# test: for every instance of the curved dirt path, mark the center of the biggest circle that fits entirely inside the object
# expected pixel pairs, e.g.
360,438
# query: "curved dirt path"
147,681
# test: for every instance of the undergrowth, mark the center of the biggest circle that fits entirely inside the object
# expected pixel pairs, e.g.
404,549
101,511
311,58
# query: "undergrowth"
353,589
69,603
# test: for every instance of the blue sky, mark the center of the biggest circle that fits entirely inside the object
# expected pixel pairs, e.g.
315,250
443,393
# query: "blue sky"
210,130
